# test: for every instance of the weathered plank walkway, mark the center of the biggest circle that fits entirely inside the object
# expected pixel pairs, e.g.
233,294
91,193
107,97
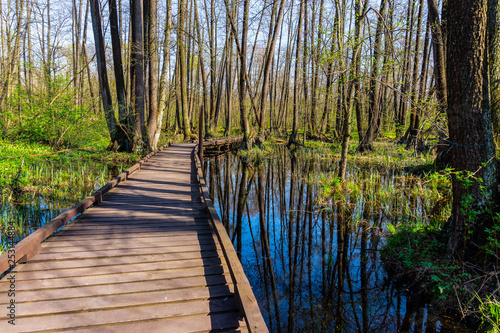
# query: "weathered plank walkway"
146,259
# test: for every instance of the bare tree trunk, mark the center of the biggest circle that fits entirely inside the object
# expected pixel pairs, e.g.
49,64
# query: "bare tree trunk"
182,69
271,44
415,131
245,126
201,65
153,116
330,70
405,78
374,107
293,136
438,43
407,137
12,59
355,70
213,68
137,71
316,65
438,54
123,137
164,85
229,74
101,68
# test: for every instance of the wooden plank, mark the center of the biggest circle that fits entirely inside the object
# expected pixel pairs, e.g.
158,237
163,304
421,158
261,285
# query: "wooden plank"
67,292
181,211
152,202
116,220
129,316
153,226
44,256
198,323
165,229
102,302
123,277
143,234
130,246
137,242
117,269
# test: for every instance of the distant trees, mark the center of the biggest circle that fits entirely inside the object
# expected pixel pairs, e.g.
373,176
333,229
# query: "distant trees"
317,76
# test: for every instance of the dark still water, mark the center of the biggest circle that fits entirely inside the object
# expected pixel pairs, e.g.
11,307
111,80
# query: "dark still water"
315,266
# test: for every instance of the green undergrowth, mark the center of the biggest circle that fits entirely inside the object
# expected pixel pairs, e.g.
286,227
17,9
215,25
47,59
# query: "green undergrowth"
490,314
259,152
30,168
416,255
38,183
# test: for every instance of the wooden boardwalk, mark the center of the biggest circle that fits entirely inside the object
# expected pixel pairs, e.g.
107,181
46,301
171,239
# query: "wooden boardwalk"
146,259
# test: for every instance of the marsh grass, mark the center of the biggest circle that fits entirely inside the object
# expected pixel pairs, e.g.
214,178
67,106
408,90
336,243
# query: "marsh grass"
391,183
37,187
490,314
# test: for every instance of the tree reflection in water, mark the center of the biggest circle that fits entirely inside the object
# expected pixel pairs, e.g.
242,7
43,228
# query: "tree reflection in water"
312,268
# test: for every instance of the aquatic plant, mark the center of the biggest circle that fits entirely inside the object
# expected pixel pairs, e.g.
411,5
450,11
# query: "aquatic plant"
490,314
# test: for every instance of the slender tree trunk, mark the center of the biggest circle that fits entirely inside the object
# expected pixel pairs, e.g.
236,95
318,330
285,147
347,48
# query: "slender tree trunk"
293,136
316,65
415,131
374,107
153,116
245,125
273,37
164,84
405,78
407,137
101,68
182,69
201,64
330,73
137,71
438,54
355,70
123,132
229,75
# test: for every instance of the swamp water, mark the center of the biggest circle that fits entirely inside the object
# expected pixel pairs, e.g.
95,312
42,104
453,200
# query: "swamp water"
48,190
314,265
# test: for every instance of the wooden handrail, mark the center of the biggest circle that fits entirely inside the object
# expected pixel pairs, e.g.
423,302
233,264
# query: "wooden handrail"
249,308
32,244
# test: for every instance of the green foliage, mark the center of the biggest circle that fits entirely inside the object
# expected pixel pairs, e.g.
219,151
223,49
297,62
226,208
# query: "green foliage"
51,117
25,168
416,252
490,314
35,187
474,211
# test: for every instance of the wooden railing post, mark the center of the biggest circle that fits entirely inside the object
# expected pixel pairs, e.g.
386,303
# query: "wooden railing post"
200,138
